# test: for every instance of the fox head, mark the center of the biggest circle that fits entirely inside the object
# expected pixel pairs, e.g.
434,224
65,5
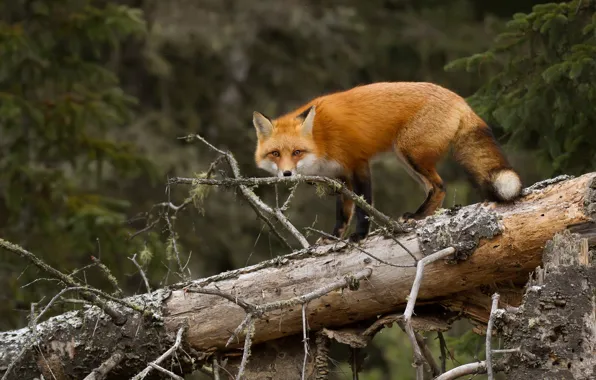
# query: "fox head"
286,146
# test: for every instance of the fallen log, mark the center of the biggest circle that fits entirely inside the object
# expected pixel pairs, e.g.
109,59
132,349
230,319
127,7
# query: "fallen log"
493,243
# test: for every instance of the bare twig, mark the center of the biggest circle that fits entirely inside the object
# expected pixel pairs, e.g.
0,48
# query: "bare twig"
420,373
108,273
418,356
117,317
489,335
239,329
270,224
443,348
304,339
82,269
507,351
286,204
250,196
38,280
74,300
216,367
134,261
145,229
249,308
15,361
102,371
463,370
424,350
347,281
163,370
428,355
174,244
418,279
250,329
53,300
163,356
355,246
387,232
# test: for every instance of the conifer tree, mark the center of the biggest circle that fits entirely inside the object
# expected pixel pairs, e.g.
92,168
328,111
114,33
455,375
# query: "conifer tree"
58,105
541,83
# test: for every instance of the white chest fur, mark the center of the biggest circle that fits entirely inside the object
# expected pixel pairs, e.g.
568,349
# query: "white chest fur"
312,165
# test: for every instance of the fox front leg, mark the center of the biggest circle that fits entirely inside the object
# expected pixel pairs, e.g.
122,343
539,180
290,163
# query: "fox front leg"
362,187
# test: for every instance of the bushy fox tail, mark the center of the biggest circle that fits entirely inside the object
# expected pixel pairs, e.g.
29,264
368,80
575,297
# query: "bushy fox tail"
479,153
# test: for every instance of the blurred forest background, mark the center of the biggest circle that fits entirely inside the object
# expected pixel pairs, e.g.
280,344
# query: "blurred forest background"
94,95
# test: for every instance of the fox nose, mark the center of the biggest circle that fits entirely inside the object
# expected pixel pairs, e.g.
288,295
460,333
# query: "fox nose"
287,173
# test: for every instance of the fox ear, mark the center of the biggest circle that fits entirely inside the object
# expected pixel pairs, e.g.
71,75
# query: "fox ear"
262,124
308,117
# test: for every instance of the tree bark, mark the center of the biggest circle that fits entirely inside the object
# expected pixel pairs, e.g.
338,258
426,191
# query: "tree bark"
555,328
494,243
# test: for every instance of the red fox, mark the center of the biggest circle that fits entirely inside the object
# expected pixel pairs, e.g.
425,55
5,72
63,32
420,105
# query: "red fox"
337,135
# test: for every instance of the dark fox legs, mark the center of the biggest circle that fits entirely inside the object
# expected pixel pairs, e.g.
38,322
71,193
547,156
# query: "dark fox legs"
344,208
362,186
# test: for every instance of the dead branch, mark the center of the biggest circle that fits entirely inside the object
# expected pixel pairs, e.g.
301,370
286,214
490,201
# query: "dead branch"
117,317
108,274
463,370
357,247
134,261
163,356
251,197
304,339
428,355
250,329
419,358
102,371
167,372
489,336
443,348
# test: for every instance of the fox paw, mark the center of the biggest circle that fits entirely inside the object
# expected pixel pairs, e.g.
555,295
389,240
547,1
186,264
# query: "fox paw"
409,218
357,237
324,241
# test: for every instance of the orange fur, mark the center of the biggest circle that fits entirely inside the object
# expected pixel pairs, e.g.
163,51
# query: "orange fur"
418,121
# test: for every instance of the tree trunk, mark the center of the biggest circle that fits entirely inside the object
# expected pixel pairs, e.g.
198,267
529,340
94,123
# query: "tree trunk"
493,242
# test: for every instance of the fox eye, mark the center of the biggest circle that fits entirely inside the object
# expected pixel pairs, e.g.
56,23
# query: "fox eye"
275,153
296,152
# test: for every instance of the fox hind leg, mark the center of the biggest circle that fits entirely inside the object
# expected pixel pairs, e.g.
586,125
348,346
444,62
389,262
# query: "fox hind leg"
434,198
426,174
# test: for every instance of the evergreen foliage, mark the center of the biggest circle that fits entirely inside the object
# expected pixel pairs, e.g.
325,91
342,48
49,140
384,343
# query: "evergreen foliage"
58,106
541,83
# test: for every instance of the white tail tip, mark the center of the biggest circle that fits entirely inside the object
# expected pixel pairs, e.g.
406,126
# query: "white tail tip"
507,185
